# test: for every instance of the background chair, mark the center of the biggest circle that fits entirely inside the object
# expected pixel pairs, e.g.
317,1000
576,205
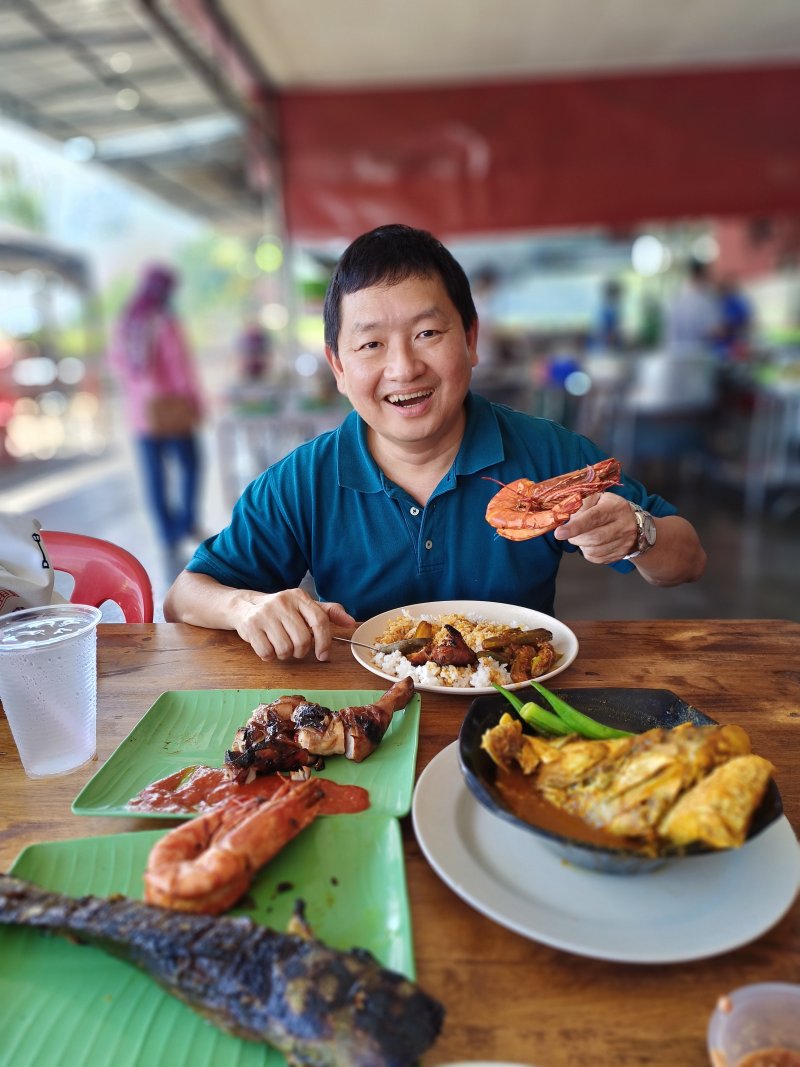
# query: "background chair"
666,412
102,571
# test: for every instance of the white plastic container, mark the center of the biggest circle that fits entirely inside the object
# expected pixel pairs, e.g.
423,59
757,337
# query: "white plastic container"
756,1018
48,685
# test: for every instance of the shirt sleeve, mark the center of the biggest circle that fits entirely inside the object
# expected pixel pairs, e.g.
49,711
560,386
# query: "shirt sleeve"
259,549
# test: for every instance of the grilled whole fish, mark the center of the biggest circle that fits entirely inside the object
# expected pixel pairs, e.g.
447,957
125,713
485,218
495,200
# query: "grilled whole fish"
320,1007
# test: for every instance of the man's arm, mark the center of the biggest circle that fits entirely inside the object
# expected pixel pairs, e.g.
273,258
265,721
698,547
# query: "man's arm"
605,530
283,625
676,557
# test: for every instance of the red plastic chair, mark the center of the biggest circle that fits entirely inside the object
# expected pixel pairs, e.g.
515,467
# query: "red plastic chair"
102,571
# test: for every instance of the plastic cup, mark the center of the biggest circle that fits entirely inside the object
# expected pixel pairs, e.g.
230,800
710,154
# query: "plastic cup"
48,685
755,1018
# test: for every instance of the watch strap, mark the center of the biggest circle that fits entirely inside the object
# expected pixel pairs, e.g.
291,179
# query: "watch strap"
642,543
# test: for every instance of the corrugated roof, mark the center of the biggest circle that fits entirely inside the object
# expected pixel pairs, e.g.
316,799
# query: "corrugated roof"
124,85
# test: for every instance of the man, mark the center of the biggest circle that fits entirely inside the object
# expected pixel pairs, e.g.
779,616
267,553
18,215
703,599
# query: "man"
693,316
388,509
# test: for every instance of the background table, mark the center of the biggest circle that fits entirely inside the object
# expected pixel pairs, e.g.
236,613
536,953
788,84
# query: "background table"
506,997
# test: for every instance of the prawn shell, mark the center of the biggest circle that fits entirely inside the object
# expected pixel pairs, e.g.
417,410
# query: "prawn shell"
524,509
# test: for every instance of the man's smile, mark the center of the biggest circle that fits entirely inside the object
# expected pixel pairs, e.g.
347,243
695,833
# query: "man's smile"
403,400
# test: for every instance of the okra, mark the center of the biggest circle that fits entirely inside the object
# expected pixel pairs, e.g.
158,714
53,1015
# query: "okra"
512,698
543,720
577,722
534,715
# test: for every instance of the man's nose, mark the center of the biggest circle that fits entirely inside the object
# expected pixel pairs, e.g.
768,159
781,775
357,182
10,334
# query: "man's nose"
402,361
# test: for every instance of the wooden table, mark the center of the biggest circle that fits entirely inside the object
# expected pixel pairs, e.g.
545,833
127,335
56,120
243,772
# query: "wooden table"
507,998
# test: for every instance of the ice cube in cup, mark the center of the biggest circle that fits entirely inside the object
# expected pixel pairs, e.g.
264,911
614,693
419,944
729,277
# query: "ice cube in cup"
756,1026
48,685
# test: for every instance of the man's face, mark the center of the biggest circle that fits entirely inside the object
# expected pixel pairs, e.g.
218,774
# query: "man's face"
404,360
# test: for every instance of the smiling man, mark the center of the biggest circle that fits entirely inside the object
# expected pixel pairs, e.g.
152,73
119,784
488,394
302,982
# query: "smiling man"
388,509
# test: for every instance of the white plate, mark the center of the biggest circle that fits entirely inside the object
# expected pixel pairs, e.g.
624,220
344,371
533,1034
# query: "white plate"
686,910
564,640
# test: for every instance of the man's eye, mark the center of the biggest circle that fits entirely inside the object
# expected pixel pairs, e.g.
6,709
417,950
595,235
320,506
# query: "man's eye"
369,346
428,333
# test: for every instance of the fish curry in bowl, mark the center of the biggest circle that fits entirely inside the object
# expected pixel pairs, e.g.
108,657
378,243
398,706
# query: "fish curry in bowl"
654,780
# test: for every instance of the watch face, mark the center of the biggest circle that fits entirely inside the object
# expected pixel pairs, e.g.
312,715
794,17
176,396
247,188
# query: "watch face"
649,529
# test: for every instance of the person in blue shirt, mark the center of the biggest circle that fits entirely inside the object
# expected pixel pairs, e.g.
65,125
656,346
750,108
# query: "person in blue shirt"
608,334
388,509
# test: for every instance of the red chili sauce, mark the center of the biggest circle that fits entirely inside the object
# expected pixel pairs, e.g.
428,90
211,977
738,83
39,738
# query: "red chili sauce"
196,789
771,1057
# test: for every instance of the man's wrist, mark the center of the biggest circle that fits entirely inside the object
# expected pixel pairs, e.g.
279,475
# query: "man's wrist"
645,532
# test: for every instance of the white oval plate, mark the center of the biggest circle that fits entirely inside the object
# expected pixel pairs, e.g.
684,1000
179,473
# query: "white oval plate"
564,640
487,1063
691,909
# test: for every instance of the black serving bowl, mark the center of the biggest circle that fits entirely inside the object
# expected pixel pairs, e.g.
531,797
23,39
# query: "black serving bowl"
626,709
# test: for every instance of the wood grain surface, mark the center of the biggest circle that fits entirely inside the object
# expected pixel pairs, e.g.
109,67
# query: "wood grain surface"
507,998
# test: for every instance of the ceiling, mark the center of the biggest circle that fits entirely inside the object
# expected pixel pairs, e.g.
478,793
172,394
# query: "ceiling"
168,93
316,43
124,84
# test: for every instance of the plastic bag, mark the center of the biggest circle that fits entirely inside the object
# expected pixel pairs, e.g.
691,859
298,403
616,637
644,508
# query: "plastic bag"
26,574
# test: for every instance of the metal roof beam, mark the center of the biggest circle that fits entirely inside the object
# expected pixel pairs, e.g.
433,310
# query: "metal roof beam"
127,38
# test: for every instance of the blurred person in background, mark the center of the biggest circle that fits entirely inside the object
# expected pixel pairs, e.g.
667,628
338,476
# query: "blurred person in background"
608,333
389,508
693,314
164,407
255,353
736,320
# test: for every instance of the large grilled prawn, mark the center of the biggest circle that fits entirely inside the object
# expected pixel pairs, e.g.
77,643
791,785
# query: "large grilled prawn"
524,509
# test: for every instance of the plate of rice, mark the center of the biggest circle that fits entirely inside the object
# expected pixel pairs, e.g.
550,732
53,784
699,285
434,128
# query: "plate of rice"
476,620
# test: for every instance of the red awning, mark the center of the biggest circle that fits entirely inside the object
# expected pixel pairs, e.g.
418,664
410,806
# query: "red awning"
526,155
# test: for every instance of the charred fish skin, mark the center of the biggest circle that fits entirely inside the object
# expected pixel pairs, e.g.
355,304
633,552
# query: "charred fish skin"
319,1006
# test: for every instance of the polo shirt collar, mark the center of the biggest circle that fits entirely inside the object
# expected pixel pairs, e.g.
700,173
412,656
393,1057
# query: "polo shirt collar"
481,447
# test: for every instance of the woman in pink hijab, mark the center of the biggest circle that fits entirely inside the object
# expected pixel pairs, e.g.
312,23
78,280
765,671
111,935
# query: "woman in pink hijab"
164,406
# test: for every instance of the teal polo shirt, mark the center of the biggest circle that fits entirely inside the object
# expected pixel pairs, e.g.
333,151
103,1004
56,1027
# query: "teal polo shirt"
329,509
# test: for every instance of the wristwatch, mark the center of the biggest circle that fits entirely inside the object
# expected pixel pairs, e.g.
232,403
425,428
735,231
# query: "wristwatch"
646,531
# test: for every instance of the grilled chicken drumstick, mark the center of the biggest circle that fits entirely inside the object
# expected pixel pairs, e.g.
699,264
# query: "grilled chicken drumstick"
291,733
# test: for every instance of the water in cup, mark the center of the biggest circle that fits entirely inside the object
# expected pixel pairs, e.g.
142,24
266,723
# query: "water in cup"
48,685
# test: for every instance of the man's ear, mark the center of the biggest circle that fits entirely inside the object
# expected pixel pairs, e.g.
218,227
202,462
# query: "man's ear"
472,342
336,366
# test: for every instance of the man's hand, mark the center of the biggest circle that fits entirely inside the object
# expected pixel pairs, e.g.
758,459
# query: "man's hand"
604,528
284,625
287,625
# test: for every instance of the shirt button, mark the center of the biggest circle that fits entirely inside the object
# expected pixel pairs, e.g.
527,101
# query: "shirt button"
414,511
429,544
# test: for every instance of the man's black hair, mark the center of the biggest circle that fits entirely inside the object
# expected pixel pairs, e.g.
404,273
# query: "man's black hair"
388,255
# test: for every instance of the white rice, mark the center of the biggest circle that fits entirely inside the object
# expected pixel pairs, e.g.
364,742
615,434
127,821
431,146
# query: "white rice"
480,677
